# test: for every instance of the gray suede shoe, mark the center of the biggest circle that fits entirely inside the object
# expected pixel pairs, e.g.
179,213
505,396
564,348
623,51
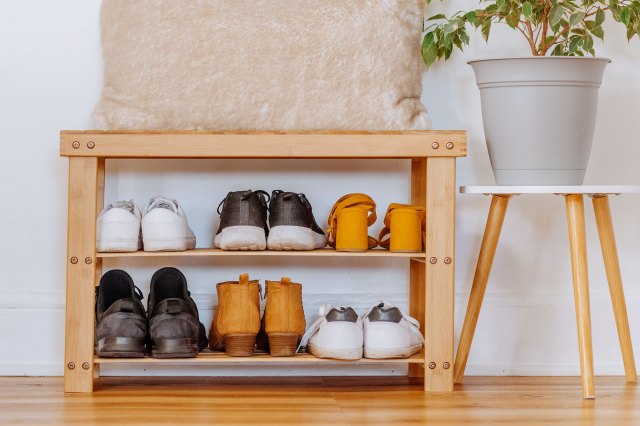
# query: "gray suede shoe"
291,223
243,221
175,329
121,325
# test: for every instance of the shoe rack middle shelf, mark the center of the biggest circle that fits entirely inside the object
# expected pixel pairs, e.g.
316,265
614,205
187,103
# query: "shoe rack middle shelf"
203,252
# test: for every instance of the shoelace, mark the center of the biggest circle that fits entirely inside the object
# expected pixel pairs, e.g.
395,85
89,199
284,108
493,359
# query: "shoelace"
161,202
136,290
322,311
245,196
300,195
411,320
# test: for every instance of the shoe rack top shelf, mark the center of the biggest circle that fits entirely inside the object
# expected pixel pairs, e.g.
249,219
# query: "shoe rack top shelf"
208,357
202,252
263,144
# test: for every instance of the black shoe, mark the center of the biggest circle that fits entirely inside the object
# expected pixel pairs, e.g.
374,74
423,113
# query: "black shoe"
121,324
243,221
175,330
292,225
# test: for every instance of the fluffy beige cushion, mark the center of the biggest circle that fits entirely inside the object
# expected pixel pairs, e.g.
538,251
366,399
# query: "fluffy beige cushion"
261,64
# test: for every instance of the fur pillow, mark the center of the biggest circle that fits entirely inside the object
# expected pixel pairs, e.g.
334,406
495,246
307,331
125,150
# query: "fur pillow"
262,64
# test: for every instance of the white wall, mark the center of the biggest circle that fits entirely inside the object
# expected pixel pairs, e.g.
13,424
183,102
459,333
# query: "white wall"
50,74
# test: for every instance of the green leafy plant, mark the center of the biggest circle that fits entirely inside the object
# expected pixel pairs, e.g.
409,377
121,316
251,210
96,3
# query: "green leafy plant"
555,27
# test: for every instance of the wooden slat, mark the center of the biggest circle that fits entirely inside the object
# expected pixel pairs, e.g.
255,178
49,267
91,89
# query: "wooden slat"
440,267
209,357
81,273
336,144
417,269
205,252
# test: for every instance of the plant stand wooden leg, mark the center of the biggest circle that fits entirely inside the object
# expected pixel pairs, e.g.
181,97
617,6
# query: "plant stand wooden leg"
81,272
439,273
492,230
610,254
417,268
578,247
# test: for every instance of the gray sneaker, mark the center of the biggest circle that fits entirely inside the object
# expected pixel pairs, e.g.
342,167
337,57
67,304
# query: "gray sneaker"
243,221
292,225
175,330
121,324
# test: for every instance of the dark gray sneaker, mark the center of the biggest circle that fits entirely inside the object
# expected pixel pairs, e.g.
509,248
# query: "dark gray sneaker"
243,221
121,324
292,225
175,329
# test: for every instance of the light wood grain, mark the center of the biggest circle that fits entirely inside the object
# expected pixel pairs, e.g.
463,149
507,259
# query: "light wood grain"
493,227
578,248
208,252
325,144
81,273
612,266
439,273
336,401
417,278
211,358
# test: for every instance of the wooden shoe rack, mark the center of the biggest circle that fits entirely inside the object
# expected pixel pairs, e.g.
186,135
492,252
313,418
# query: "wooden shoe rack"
433,184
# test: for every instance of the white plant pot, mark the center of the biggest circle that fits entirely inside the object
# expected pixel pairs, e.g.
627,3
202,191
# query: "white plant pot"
539,116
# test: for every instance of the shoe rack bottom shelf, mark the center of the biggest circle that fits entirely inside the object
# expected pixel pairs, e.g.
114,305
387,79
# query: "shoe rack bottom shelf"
208,357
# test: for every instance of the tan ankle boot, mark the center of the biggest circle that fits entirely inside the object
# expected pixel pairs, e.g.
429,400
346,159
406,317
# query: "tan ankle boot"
284,322
237,320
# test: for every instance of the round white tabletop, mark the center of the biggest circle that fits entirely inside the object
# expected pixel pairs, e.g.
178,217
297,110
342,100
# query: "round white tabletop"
567,189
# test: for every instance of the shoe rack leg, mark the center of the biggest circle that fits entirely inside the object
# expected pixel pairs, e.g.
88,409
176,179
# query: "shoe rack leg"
86,175
417,268
439,273
610,254
578,247
490,239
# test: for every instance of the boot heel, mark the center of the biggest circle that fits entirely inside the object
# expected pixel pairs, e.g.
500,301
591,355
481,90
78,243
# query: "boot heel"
351,232
239,344
283,344
406,231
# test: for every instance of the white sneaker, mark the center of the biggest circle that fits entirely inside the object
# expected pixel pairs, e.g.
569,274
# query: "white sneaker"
165,227
336,334
118,228
390,333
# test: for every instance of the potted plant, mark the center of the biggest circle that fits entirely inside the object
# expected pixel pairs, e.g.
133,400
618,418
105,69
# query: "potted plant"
539,111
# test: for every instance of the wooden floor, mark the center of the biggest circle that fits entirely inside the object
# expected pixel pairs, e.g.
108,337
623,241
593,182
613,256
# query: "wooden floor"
327,401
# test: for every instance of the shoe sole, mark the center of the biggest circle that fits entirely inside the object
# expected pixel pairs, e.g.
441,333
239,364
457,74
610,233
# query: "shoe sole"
381,353
287,237
346,354
283,344
241,238
176,244
118,246
120,347
175,348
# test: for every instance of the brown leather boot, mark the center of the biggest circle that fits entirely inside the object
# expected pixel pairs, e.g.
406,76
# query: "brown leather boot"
236,322
283,324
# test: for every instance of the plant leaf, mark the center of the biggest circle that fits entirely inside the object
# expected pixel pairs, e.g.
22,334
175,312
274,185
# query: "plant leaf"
527,9
555,15
599,17
436,17
575,18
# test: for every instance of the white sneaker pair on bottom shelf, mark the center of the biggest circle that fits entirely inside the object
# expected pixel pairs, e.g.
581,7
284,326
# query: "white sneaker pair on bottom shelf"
384,332
121,227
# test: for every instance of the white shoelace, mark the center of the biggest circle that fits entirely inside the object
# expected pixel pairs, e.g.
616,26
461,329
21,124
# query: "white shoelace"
128,205
322,311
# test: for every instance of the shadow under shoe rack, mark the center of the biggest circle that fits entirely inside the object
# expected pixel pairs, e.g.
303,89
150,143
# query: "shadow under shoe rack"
433,184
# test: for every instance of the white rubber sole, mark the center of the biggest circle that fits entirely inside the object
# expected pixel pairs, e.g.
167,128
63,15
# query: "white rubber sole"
381,353
119,246
285,237
346,354
175,244
241,238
